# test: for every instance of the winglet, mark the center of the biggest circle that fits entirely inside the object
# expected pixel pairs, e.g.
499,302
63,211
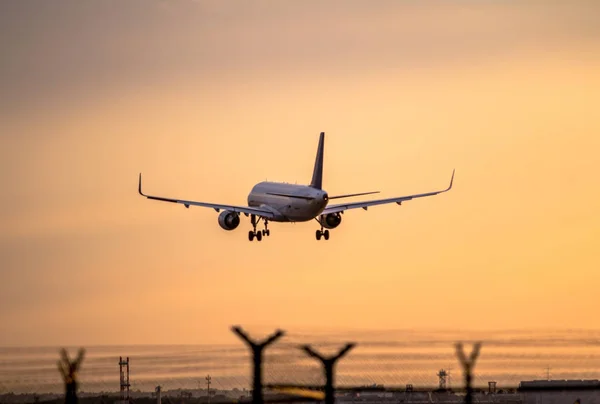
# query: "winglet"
451,180
140,185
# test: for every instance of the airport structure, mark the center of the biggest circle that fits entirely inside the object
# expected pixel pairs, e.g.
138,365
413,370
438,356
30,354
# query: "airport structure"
158,396
443,375
124,380
560,391
527,392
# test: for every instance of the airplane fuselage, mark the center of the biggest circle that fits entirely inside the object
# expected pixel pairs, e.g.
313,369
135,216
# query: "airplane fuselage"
289,202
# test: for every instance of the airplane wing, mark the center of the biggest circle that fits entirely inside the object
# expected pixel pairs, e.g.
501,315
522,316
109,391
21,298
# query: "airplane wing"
240,209
345,206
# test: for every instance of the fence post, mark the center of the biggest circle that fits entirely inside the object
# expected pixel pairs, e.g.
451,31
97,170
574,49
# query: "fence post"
328,368
468,365
69,370
257,349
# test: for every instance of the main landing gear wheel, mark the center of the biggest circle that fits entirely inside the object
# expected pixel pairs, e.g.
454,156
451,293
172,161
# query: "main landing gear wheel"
258,234
266,231
320,233
252,235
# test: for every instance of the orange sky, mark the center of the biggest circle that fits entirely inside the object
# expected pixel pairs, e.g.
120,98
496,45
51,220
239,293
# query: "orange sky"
208,98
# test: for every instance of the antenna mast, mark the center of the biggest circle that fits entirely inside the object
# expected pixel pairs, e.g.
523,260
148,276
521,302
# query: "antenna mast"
442,374
208,379
124,379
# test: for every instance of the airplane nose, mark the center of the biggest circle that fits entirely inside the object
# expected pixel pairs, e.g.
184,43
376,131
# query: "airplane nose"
325,197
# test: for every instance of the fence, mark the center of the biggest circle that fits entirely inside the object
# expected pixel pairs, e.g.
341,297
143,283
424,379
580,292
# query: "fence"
296,369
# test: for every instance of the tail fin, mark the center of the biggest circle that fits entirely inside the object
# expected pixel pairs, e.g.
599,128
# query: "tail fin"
317,178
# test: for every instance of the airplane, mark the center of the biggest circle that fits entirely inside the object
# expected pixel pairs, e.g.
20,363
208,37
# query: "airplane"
282,202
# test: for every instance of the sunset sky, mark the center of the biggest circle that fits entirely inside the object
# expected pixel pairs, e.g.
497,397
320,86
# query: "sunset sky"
206,98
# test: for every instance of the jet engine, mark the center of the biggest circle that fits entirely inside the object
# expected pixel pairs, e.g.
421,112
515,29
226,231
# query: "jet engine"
229,220
331,220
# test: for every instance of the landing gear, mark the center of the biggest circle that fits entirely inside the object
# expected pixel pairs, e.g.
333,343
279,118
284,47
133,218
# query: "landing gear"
321,233
324,234
258,234
266,231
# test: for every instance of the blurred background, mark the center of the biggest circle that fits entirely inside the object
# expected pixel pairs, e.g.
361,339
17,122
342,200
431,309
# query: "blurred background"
206,98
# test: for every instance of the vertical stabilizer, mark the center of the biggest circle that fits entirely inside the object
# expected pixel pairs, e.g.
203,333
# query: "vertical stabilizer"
317,178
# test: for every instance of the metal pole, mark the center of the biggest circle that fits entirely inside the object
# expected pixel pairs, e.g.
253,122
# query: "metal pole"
328,369
468,365
208,387
257,350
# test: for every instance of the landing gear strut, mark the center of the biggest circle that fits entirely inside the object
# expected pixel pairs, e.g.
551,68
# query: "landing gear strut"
258,234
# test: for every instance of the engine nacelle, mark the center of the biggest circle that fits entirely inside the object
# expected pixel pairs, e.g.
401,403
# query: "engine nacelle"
229,220
331,220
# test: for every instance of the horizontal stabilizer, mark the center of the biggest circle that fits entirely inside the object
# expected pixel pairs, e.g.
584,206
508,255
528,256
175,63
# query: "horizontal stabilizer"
350,195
